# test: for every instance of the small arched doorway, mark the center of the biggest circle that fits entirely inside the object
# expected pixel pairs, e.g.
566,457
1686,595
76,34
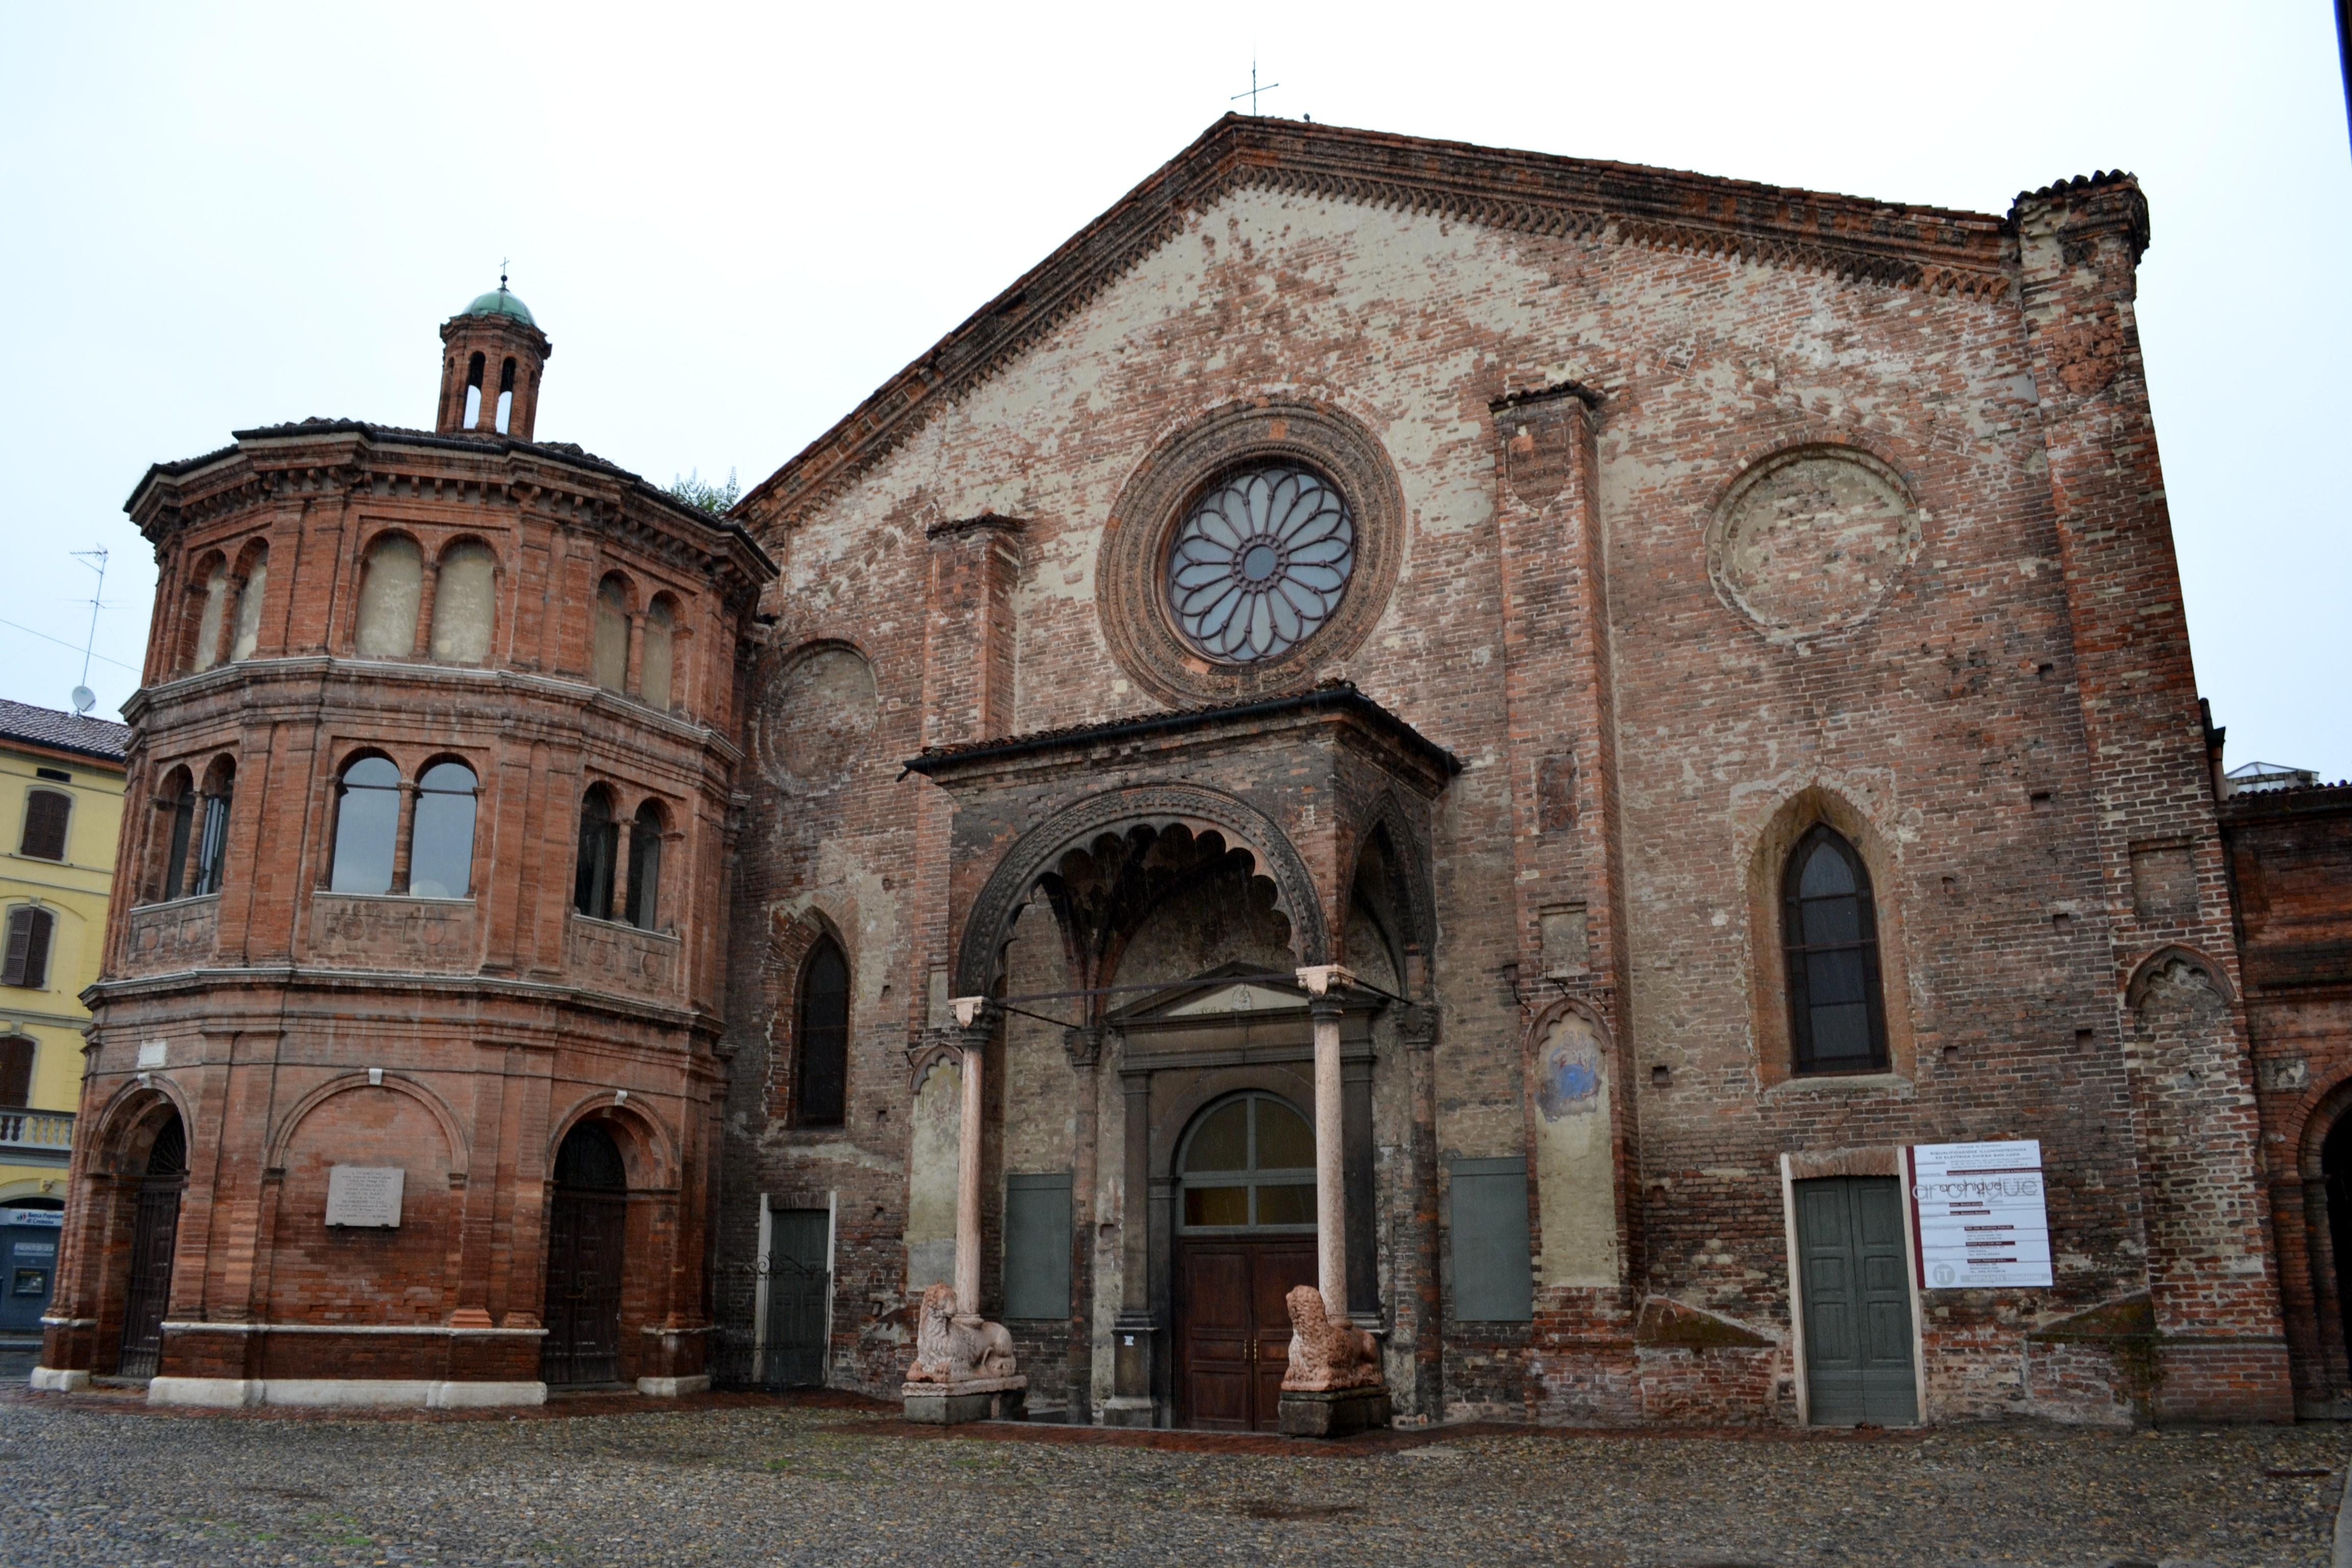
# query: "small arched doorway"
1245,1238
154,1229
2336,1168
585,1228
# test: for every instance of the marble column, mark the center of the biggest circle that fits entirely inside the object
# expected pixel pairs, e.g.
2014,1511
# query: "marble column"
967,1156
1330,1139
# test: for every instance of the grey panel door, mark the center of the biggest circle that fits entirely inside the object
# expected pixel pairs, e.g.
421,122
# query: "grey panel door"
1857,1299
799,1287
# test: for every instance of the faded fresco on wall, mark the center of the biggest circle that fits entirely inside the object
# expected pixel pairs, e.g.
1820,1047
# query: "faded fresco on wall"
931,1178
1575,1171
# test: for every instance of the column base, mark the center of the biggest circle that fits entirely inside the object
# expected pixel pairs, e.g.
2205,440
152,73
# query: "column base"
1121,1411
1332,1413
674,1387
340,1392
60,1379
976,1399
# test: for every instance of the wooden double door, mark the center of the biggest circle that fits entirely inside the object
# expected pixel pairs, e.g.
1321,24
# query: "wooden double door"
1233,1329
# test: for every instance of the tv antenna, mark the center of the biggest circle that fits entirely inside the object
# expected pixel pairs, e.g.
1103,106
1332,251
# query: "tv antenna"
84,698
1254,88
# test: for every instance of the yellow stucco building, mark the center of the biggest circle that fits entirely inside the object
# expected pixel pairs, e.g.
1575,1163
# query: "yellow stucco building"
61,817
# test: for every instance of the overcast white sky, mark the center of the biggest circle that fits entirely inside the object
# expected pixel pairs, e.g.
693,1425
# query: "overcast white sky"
735,223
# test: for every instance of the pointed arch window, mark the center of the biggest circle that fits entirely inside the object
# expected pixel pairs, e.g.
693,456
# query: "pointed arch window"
823,1081
1829,931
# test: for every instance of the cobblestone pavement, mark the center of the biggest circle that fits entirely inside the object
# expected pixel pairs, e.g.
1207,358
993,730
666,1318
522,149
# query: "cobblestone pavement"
98,1480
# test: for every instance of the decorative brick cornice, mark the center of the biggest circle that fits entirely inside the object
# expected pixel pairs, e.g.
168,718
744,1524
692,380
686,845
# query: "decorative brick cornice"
1532,193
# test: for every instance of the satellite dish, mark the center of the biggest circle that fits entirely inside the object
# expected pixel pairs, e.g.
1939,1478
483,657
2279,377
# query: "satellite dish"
84,698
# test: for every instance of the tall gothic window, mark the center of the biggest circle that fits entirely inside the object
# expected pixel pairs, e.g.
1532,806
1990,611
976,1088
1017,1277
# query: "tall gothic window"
600,843
821,1084
1828,930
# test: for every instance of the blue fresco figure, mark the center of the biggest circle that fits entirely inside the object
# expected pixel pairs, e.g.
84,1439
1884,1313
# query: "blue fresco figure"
1569,1081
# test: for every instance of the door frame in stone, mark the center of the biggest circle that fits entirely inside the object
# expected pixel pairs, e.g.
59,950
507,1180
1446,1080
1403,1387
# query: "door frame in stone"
1805,1166
829,1200
1173,1066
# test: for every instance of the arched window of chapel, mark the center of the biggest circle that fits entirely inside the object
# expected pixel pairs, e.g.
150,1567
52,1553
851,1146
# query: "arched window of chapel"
464,603
608,648
1829,934
821,1083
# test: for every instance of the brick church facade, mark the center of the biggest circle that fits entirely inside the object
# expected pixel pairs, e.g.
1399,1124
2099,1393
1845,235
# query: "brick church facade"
1518,732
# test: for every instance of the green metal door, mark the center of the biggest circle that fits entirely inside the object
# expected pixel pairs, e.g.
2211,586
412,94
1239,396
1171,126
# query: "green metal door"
1857,1300
799,1287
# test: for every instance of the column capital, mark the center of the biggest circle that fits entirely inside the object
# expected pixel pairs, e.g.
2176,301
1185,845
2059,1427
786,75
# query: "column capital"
1321,979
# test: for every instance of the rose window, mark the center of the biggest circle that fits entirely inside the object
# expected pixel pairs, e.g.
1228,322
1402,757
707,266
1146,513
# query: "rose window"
1260,562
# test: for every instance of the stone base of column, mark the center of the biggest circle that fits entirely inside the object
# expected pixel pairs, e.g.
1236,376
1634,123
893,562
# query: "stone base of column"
1332,1413
974,1399
1120,1410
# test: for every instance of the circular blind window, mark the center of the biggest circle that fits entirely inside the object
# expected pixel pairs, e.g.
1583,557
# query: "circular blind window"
1260,562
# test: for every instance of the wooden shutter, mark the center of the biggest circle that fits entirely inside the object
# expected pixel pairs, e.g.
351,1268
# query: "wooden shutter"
1493,1264
45,811
1037,1245
27,961
16,1073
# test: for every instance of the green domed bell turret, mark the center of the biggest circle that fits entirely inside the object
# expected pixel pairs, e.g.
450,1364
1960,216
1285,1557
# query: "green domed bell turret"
500,302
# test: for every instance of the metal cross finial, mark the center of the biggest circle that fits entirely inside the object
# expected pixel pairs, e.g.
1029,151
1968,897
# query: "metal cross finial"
502,274
1254,88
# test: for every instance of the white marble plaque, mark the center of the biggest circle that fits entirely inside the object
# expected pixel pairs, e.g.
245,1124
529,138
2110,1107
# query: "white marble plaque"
1979,1214
364,1195
154,1054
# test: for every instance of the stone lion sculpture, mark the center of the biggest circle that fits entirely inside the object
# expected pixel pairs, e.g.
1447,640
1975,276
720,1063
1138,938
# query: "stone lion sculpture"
957,1347
1325,1356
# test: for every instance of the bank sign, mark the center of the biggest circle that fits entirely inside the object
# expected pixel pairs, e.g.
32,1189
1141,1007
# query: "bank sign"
1977,1211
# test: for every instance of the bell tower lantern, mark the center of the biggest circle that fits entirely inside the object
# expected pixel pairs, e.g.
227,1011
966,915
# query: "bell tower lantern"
490,359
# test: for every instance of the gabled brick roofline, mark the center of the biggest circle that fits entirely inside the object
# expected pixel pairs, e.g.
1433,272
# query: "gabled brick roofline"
1883,242
1331,696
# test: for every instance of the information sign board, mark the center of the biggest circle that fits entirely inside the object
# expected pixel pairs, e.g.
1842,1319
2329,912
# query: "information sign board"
1979,1213
365,1194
